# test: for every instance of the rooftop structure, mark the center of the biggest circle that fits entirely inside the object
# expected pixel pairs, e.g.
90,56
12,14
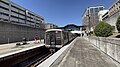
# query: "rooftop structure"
101,14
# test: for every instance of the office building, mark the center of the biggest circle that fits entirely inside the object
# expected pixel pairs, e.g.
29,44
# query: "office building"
90,17
17,22
50,26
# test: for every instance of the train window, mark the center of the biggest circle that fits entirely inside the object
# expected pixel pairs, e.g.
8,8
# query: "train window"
58,38
47,36
58,34
52,37
65,35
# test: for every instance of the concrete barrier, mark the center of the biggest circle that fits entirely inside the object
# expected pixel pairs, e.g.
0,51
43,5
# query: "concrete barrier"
56,58
10,33
110,46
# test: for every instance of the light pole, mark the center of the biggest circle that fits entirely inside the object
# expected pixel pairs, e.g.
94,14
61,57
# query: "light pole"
88,19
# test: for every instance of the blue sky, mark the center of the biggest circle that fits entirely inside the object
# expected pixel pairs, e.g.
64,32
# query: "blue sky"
61,12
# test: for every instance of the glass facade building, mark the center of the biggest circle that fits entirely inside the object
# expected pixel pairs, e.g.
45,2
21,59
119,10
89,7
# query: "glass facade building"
90,17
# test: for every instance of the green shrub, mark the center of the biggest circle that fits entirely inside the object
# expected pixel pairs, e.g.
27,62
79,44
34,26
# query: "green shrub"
118,24
103,29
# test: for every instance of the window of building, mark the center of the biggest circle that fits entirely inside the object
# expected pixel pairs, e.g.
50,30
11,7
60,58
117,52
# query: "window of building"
5,3
96,10
117,8
92,14
4,8
101,8
91,10
116,3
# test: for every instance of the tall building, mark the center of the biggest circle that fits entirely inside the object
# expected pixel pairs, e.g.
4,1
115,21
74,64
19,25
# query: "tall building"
17,22
90,17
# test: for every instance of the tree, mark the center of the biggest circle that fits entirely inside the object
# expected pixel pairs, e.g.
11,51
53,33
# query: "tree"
118,24
103,29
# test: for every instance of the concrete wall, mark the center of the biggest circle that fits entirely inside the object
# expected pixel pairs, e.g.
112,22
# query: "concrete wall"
110,46
112,20
14,33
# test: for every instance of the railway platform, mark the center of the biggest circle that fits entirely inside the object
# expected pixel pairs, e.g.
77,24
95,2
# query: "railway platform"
12,47
81,53
12,54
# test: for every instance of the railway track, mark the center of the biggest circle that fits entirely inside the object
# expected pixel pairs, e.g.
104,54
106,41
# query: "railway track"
35,60
41,59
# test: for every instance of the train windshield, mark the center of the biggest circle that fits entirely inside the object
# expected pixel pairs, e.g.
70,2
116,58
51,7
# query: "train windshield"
53,38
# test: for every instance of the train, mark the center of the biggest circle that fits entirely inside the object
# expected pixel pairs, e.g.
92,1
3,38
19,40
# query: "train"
57,38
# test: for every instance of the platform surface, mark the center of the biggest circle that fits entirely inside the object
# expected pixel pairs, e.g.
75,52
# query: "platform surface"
83,54
11,48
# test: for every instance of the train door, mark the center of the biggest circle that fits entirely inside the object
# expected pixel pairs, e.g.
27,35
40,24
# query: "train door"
50,38
47,38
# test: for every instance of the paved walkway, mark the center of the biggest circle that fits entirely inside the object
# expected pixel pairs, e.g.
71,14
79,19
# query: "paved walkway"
83,54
